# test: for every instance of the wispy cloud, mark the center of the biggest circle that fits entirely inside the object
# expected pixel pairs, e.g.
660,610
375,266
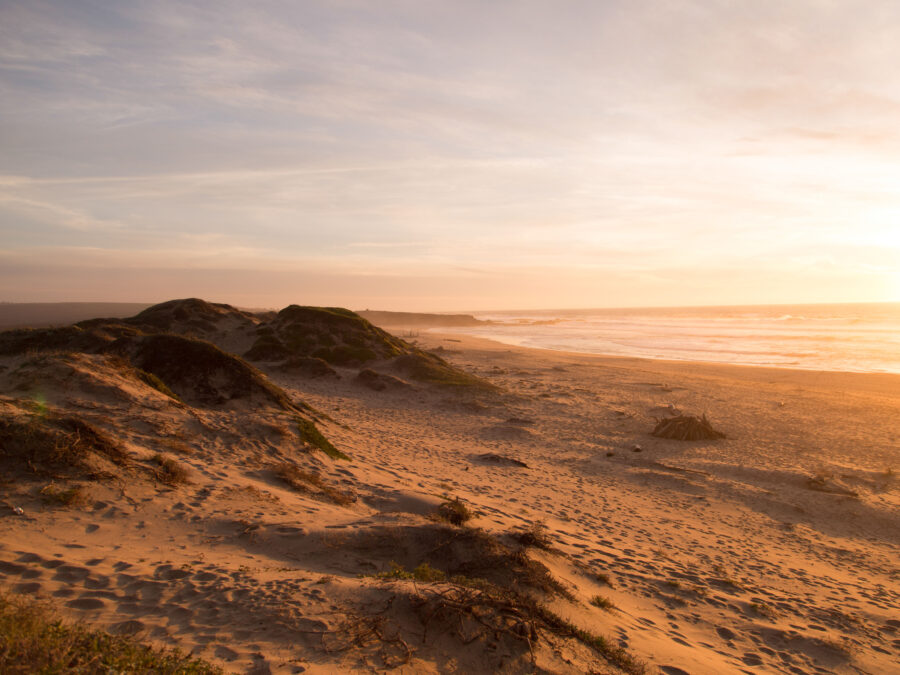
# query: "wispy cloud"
612,138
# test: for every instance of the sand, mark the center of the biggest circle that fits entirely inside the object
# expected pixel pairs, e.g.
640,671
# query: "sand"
773,550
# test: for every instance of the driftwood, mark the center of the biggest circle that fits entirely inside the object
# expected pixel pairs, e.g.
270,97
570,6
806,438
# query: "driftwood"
686,428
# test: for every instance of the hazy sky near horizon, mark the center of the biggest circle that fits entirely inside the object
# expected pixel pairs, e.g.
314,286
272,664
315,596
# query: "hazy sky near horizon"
419,155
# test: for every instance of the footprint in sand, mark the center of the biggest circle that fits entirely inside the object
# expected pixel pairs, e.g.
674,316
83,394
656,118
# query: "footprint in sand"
725,633
86,603
673,670
71,573
29,588
130,627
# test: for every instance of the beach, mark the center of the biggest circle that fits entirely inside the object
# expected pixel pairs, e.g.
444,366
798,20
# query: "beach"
771,550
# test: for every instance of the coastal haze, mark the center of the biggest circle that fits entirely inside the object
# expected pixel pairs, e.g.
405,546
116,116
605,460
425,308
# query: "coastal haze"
283,388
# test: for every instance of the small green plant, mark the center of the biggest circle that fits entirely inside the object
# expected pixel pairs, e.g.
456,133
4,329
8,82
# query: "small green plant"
310,434
454,512
603,603
169,471
34,640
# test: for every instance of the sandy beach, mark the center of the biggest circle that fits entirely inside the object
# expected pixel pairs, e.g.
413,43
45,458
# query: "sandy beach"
774,550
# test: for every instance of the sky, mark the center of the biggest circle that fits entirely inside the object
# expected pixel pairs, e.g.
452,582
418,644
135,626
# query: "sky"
458,155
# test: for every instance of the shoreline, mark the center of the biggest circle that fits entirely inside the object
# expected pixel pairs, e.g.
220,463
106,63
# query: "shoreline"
886,381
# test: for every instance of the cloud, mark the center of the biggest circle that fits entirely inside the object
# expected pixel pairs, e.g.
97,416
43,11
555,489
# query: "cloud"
614,136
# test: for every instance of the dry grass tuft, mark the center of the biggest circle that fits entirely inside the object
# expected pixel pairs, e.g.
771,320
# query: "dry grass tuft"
534,536
73,496
34,640
603,603
311,484
454,512
686,428
169,471
52,445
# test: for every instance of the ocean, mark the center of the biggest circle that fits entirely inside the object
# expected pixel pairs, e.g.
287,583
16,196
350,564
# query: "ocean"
842,337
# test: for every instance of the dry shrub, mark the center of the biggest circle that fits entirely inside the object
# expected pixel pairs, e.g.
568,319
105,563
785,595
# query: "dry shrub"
686,428
311,484
33,639
454,512
51,445
603,603
534,536
169,471
76,495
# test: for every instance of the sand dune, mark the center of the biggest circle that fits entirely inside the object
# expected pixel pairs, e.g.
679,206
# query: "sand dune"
772,550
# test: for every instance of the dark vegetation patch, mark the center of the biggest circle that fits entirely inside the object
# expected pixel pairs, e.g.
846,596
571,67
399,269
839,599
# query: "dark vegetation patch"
379,381
686,428
308,366
169,471
311,484
57,446
310,434
454,512
33,639
267,347
199,372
